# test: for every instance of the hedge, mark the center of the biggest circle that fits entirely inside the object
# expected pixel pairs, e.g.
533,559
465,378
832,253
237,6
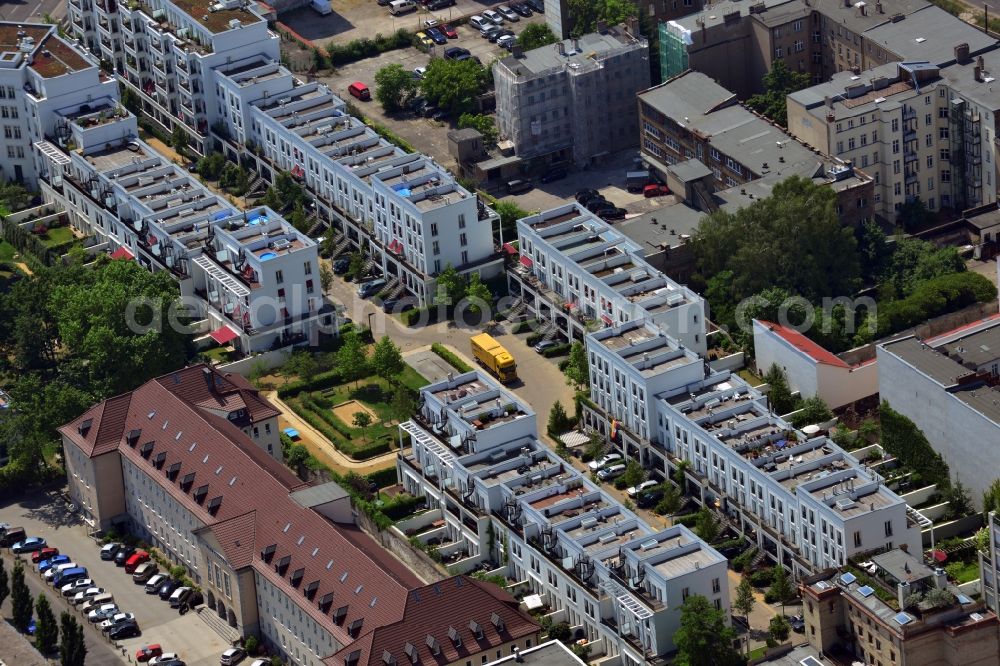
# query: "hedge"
534,339
359,49
558,350
934,297
521,327
384,477
323,380
687,520
335,431
451,358
418,315
26,242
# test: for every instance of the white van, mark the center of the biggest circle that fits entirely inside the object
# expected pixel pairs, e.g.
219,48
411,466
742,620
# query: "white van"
611,472
397,7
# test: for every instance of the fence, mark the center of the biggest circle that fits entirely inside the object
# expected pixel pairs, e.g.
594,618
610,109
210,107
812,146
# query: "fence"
266,360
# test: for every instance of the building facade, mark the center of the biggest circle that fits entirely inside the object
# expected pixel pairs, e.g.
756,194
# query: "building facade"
573,100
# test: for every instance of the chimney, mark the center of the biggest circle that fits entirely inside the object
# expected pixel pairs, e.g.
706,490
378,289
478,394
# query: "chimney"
576,44
602,27
864,9
879,8
561,48
902,591
517,656
981,63
977,73
517,51
207,374
633,27
962,53
940,578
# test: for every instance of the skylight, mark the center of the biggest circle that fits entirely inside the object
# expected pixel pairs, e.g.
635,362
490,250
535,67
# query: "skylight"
902,619
847,578
866,591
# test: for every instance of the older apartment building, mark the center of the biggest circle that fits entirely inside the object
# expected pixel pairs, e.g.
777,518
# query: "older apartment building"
573,100
41,76
949,386
276,557
581,274
594,564
255,277
904,613
692,117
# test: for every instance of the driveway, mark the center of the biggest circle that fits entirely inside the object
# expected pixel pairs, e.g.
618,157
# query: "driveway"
45,515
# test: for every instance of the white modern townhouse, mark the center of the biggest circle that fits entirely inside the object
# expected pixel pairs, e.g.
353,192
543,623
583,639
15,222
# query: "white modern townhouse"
581,274
41,77
505,496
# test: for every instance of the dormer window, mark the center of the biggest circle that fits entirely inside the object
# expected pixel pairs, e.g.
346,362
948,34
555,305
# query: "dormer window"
297,576
160,458
454,636
326,601
200,493
187,481
283,564
310,589
214,504
497,622
133,437
355,629
146,449
268,552
340,614
173,471
84,427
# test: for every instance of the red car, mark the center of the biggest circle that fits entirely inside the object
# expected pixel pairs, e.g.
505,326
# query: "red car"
655,190
449,31
138,557
148,652
43,554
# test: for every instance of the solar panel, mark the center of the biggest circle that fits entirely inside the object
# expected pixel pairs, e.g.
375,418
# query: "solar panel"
902,619
847,578
962,599
811,661
866,591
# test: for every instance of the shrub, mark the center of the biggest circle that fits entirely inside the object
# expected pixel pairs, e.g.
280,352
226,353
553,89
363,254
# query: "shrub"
741,561
321,381
450,357
762,577
359,49
687,520
558,350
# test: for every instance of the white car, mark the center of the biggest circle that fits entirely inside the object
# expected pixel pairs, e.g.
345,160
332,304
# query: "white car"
87,595
635,490
232,656
105,612
493,17
117,618
419,72
610,472
604,461
70,589
430,23
51,572
166,657
508,13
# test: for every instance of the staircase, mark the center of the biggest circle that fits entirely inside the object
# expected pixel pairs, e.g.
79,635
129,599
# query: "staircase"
368,265
395,289
340,244
317,225
257,186
516,310
218,625
757,559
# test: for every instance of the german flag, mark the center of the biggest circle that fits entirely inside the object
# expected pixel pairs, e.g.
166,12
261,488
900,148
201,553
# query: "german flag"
615,435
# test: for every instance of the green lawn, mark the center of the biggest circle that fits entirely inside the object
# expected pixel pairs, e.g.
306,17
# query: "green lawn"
751,379
221,354
963,572
412,379
57,236
7,251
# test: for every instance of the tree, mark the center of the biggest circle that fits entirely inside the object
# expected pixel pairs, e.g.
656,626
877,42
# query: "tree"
285,193
80,647
251,645
991,502
482,123
595,446
356,266
297,456
586,14
781,588
450,287
301,364
959,502
634,474
46,629
560,632
387,360
913,263
779,395
325,277
577,369
4,583
362,419
394,87
778,84
903,439
403,403
351,358
210,166
811,410
72,650
13,197
914,214
704,638
680,473
20,599
706,526
558,420
982,540
179,140
778,628
535,36
745,601
453,85
671,502
477,294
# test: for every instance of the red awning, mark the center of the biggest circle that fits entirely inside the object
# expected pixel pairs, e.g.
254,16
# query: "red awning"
396,247
527,262
122,253
939,556
224,335
606,319
297,171
509,249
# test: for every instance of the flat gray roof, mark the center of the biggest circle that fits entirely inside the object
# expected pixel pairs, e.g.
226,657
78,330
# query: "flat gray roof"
930,34
977,349
663,225
903,566
852,19
713,15
961,78
548,57
318,495
690,170
688,97
985,219
552,653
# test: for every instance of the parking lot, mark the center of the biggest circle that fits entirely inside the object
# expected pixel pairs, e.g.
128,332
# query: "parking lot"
44,515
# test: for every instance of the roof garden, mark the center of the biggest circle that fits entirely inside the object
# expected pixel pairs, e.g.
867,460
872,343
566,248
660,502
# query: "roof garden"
216,20
56,57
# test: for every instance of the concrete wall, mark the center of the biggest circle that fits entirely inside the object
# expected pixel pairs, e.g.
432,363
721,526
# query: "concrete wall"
733,362
842,386
268,359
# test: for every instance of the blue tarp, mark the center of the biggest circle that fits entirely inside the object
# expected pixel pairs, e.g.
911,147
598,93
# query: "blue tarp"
780,444
291,432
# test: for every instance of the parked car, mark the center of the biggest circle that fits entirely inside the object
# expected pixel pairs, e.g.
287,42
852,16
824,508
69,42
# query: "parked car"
613,213
453,52
62,577
144,572
545,344
798,624
115,620
536,5
147,652
360,91
168,658
438,36
137,558
586,194
522,8
53,571
650,498
418,73
180,597
86,595
53,561
370,288
497,36
635,490
11,535
44,554
70,589
508,14
554,174
398,304
167,588
124,630
153,584
425,39
123,554
489,31
341,265
440,4
477,22
109,550
102,613
604,460
506,42
449,31
232,656
431,22
593,205
493,17
610,472
29,545
655,190
97,602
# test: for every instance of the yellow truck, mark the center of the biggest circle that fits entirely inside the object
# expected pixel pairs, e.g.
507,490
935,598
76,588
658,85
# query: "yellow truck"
492,356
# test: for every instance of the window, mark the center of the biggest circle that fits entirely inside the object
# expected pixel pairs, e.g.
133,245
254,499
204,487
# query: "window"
895,146
946,176
929,140
435,248
308,268
840,147
857,535
895,124
309,286
797,26
850,143
434,229
279,277
463,240
685,593
943,112
928,119
715,586
896,167
897,189
461,220
942,132
945,154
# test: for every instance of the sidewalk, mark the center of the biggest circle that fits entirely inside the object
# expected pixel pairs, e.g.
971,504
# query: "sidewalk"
760,616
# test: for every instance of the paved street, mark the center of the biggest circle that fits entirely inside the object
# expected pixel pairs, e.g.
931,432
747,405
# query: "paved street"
32,10
45,515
